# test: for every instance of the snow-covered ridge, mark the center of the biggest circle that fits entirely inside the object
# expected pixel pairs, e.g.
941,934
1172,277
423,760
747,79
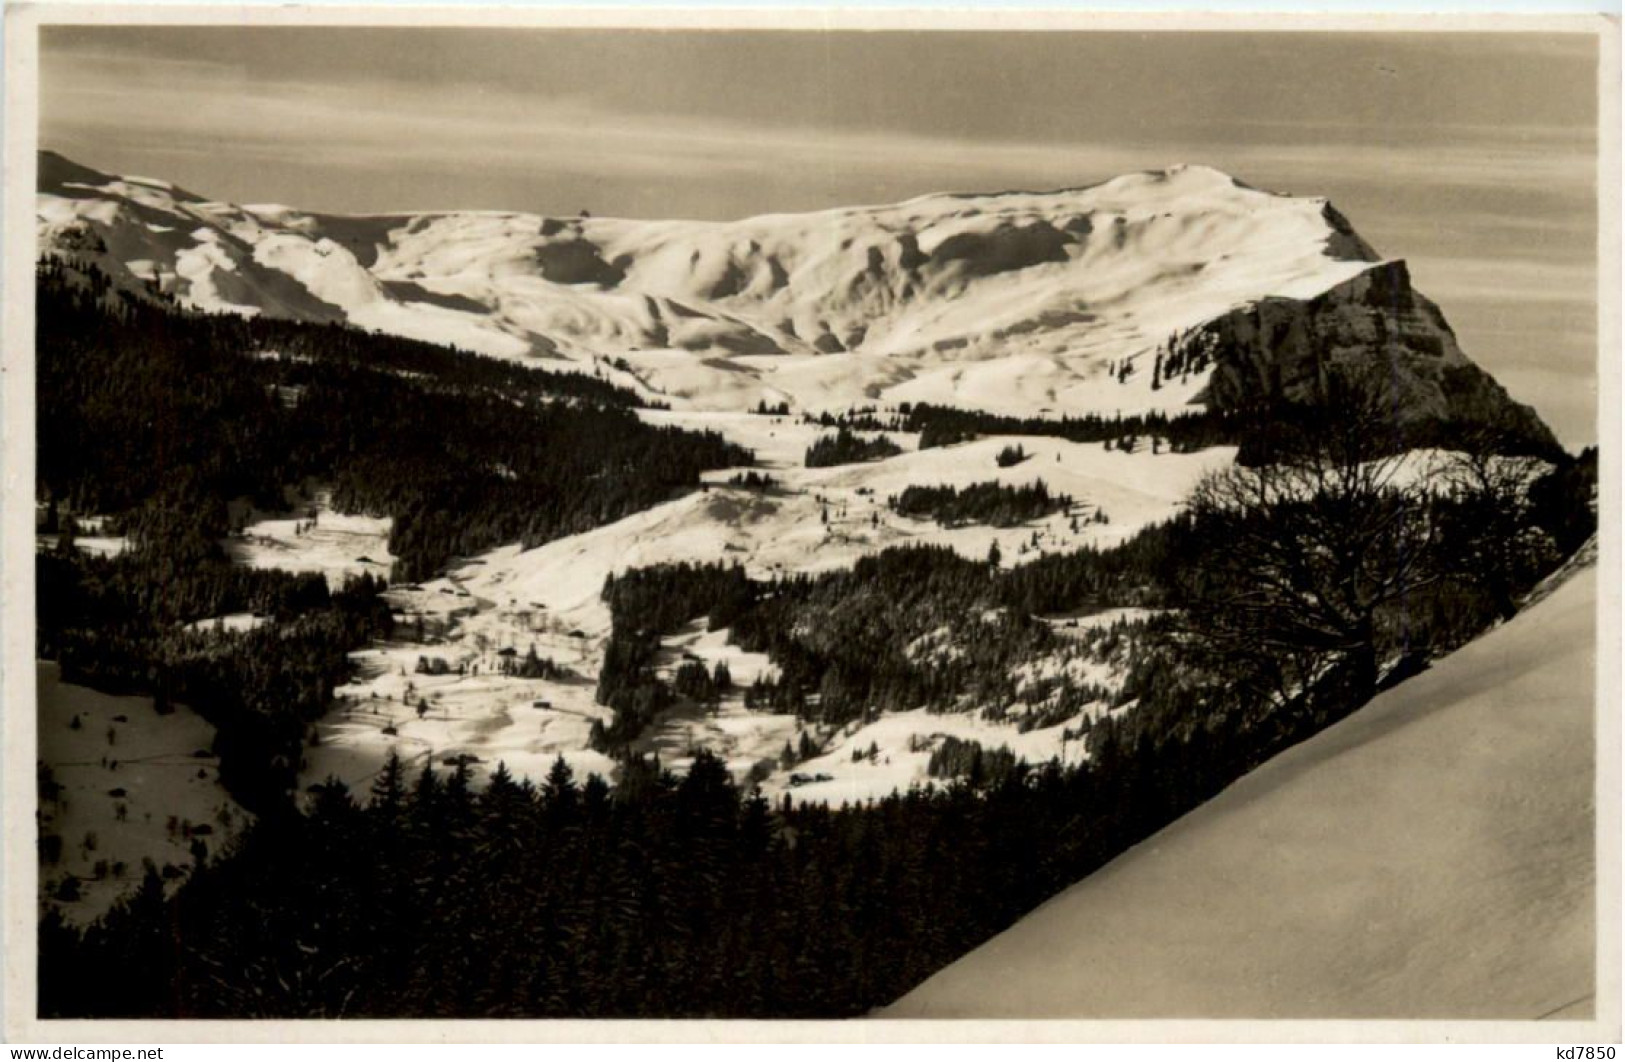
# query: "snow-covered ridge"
1013,302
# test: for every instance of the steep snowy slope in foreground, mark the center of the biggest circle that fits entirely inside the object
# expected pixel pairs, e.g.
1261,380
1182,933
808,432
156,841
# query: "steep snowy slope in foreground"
1429,857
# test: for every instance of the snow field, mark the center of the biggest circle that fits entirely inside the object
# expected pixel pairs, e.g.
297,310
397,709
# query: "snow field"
315,539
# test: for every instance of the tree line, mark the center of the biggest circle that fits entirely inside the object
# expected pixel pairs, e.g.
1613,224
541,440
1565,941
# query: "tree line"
1260,431
1186,432
662,897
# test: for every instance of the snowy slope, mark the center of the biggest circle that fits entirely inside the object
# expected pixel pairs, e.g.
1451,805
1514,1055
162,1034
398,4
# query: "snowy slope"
135,785
1431,856
548,597
1017,302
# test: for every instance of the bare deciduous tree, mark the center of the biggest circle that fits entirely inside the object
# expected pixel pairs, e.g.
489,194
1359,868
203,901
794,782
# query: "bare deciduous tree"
1309,559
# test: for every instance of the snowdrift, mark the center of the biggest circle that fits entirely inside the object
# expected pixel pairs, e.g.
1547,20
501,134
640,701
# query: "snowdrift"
1430,857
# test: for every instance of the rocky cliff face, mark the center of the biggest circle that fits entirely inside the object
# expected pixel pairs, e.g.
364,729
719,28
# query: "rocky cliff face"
1373,325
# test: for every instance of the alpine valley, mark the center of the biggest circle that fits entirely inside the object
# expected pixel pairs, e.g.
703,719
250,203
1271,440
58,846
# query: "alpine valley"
488,614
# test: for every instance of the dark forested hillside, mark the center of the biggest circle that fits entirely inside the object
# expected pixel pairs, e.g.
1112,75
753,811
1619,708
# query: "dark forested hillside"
842,640
121,624
1399,574
666,898
161,417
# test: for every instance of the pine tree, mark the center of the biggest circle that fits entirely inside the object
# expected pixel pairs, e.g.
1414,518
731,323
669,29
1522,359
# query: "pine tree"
559,792
388,788
426,795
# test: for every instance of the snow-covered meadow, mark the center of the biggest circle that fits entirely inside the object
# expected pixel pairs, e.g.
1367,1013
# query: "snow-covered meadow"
312,537
130,785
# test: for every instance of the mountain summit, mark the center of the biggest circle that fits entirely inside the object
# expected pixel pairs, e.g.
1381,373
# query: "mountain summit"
1160,290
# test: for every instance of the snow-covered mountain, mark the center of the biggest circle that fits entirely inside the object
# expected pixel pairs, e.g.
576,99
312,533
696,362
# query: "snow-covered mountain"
1152,291
1431,856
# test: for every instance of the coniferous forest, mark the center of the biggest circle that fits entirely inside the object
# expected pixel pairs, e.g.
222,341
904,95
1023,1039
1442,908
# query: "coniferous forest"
980,503
653,894
844,447
163,418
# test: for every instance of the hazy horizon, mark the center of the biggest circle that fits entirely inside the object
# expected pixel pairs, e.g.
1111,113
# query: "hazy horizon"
1471,156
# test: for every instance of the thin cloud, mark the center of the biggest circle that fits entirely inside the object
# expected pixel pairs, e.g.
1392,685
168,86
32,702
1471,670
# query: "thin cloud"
357,126
1454,280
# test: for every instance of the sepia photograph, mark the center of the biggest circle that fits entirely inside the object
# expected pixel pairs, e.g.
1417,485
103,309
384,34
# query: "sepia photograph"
893,521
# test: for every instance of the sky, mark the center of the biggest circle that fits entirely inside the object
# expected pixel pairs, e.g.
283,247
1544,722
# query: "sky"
1471,156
